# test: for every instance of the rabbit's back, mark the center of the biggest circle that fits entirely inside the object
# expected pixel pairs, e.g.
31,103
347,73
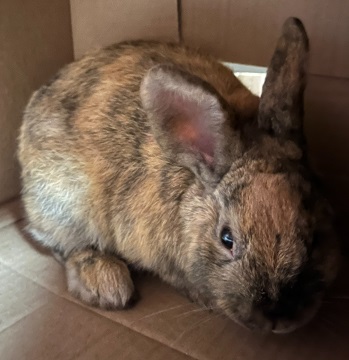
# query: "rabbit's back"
105,86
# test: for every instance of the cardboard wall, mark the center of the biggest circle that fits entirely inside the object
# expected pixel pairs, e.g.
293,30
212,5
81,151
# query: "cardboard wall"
104,22
246,31
35,38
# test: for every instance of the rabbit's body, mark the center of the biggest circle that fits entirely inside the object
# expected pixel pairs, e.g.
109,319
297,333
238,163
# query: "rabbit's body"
89,123
120,160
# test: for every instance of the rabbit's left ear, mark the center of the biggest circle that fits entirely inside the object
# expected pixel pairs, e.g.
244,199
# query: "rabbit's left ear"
281,104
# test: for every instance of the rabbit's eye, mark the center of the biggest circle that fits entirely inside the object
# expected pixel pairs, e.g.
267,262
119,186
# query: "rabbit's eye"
227,238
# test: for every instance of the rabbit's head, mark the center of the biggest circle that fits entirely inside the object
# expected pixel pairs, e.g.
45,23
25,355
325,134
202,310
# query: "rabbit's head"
259,243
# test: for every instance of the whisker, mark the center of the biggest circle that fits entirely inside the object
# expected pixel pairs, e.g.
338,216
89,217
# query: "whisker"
195,311
210,317
160,312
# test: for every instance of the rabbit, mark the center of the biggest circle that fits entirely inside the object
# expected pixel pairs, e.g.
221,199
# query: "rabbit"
154,156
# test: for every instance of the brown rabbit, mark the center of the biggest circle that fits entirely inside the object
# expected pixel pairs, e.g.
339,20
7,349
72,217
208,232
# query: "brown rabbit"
156,156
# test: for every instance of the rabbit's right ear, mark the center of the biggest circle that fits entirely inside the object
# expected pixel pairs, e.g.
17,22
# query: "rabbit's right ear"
189,122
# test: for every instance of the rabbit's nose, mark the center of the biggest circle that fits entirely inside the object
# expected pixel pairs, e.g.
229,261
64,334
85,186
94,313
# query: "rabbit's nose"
277,309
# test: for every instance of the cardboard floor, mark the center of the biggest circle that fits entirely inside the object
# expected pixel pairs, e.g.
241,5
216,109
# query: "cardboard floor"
40,320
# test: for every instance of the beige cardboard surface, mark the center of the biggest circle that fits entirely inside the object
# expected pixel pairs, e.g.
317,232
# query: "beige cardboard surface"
246,31
35,38
40,320
63,330
104,22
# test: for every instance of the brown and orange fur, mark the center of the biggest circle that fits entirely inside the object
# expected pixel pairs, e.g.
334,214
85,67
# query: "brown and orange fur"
142,152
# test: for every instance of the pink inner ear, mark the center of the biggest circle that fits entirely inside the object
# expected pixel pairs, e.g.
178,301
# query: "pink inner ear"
192,129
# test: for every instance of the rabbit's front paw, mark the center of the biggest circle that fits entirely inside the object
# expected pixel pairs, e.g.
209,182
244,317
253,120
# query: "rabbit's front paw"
99,280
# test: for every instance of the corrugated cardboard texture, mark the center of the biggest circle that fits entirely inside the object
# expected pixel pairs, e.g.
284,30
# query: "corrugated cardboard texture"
100,23
246,31
35,40
41,321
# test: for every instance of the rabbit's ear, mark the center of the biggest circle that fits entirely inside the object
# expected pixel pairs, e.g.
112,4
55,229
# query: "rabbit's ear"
188,121
281,104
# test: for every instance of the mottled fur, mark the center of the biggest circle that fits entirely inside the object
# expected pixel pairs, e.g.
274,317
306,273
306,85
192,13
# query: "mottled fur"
142,152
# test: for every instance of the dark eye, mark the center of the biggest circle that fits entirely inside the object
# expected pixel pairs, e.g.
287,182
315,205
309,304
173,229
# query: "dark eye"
227,238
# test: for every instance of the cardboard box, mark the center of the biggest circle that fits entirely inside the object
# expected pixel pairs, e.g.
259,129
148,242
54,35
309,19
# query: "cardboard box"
38,318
